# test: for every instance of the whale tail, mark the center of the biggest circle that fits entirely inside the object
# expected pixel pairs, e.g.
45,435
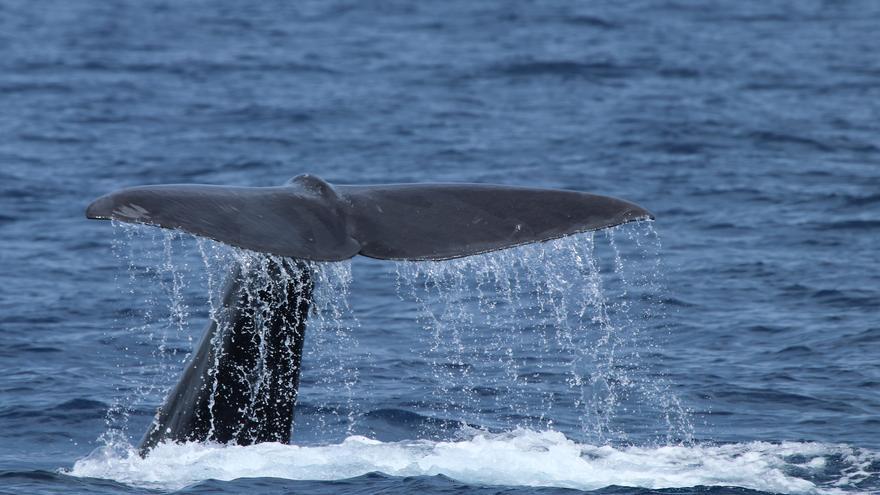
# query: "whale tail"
310,219
216,398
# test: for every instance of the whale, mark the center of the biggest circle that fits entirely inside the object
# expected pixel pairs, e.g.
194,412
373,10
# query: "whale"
241,383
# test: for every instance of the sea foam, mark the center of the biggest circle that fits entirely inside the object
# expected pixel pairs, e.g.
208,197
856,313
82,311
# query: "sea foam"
517,458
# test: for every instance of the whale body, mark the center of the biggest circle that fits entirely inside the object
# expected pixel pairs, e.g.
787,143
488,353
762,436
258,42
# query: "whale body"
240,385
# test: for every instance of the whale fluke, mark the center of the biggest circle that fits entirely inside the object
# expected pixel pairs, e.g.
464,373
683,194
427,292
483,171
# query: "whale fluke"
310,219
240,385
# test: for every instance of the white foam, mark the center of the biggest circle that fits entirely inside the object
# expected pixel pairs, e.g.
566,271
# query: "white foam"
518,458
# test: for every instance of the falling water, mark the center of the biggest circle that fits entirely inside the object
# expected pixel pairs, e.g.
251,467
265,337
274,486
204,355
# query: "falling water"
332,334
156,321
544,336
537,357
166,278
505,328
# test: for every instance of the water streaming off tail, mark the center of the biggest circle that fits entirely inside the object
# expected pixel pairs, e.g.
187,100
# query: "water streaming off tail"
542,349
546,336
331,368
156,341
549,335
176,285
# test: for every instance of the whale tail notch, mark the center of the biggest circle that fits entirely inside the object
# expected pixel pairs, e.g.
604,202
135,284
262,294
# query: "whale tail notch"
311,219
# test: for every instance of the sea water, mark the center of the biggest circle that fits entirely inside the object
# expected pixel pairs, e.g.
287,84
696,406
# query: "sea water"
748,128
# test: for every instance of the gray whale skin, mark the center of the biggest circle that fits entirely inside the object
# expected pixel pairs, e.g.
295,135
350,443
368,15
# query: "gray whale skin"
219,396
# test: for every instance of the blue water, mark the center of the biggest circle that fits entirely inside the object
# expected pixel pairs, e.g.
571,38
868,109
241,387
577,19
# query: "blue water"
729,347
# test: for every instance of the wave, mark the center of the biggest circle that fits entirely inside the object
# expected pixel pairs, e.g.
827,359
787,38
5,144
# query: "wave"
517,458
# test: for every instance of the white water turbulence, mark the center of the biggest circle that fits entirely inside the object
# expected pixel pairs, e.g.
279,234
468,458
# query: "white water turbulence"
534,355
517,458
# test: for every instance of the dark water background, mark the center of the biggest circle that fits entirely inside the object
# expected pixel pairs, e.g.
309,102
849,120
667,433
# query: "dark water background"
749,128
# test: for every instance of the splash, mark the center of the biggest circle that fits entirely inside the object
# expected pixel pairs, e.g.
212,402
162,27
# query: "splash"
517,458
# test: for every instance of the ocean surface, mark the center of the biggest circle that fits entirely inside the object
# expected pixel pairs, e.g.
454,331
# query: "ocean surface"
731,346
